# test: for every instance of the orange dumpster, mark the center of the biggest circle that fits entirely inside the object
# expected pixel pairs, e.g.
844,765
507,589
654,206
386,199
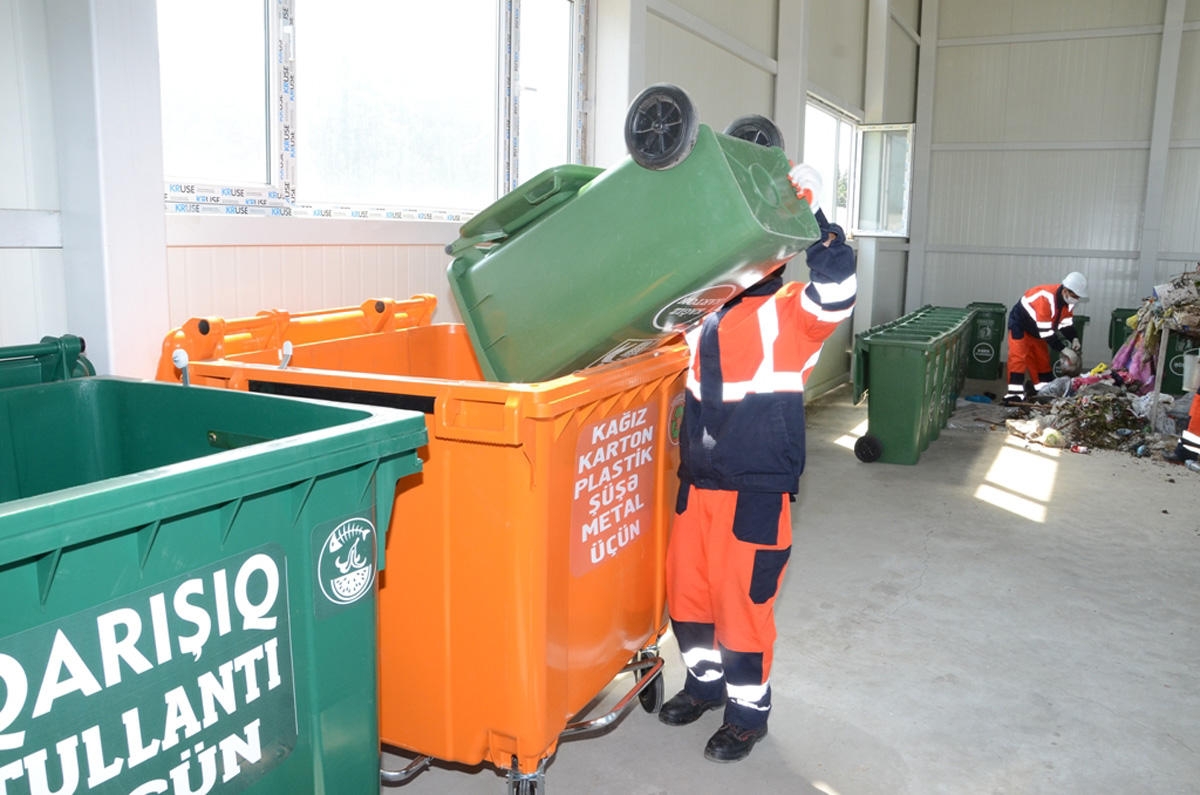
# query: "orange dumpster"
525,561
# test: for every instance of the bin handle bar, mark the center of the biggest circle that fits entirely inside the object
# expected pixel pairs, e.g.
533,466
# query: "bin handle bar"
393,777
650,666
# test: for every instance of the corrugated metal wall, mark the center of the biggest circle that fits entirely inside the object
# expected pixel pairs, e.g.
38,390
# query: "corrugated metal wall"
1040,152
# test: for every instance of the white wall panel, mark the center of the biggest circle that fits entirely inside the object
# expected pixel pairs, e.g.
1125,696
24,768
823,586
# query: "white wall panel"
32,297
749,21
968,18
900,81
28,175
1029,199
722,86
1192,14
837,34
1102,90
1186,124
1181,205
238,281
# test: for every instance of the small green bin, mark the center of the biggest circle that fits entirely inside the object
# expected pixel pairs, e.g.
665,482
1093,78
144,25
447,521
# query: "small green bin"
1178,345
188,580
913,369
1118,328
987,335
580,266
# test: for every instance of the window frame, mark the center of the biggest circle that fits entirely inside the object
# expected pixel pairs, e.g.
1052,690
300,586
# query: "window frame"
870,129
842,117
277,198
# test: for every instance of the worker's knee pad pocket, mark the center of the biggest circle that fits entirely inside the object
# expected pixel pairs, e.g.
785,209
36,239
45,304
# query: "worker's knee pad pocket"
756,517
768,565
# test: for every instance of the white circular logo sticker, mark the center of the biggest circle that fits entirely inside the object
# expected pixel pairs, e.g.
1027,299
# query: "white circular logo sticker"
689,310
984,352
346,567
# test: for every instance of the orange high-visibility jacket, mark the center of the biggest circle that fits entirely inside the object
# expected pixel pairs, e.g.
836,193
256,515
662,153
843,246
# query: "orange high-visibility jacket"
743,427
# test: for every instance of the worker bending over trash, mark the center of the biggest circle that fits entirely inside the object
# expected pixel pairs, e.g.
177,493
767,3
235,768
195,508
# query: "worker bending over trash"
741,456
1041,320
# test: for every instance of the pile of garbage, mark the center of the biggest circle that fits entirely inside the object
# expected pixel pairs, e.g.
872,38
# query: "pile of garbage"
1112,407
1102,415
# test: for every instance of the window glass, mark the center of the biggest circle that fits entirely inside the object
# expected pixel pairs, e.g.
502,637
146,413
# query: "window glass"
215,88
885,179
546,86
829,144
396,103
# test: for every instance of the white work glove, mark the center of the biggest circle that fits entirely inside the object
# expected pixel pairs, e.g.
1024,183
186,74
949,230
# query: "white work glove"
1076,345
807,182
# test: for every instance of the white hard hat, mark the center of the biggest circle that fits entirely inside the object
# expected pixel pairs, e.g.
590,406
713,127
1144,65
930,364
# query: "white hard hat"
1076,283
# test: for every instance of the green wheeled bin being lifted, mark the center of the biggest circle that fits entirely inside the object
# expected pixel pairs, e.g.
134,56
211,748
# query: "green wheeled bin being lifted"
188,580
580,266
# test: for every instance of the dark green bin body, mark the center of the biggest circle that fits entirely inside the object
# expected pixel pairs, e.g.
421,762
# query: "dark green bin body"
1177,346
988,330
188,581
911,370
581,266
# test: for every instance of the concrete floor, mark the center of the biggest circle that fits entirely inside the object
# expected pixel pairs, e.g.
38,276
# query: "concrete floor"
995,619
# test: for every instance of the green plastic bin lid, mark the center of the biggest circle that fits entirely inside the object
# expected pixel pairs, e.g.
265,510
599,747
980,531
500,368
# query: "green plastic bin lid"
528,202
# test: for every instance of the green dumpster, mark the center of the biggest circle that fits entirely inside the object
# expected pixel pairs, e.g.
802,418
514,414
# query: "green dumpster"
580,266
987,335
1118,328
188,579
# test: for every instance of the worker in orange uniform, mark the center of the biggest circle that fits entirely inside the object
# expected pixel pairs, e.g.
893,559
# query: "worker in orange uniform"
1042,320
1188,448
741,455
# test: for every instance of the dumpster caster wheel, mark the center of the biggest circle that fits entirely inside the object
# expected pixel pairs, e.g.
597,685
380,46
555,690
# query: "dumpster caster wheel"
526,783
652,696
755,129
661,127
867,449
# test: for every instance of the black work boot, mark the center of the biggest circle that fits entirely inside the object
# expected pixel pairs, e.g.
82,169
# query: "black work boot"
684,708
733,743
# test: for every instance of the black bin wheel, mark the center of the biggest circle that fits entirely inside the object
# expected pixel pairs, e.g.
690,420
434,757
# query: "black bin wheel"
867,449
755,129
653,696
661,127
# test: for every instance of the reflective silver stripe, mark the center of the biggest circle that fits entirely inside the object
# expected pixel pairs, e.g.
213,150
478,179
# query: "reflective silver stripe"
824,315
1191,441
693,657
765,380
836,292
1067,321
748,695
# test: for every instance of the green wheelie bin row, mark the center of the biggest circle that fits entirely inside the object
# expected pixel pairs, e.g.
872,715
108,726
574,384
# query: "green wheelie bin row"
911,370
188,579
